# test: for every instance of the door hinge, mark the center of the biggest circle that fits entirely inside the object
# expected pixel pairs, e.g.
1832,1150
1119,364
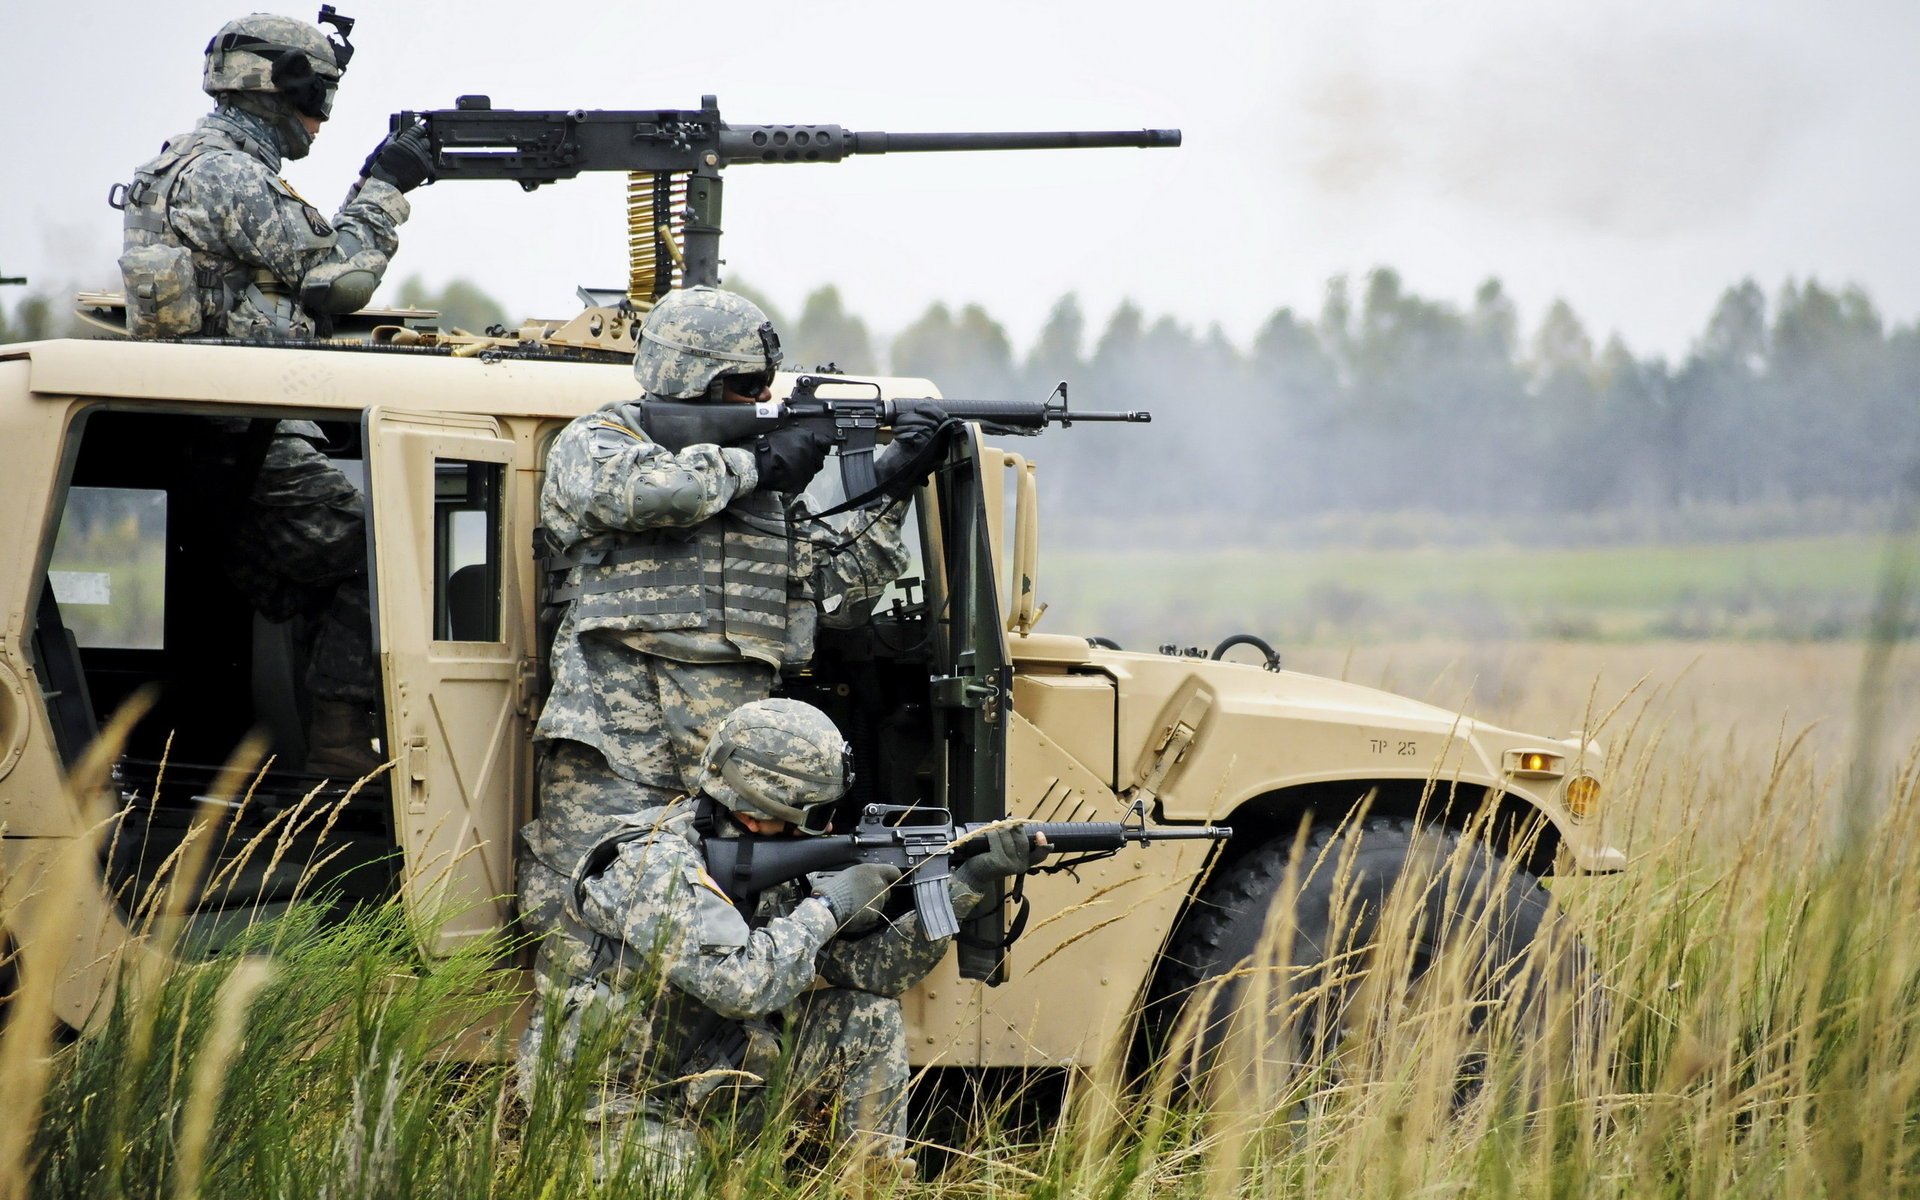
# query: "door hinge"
526,686
968,691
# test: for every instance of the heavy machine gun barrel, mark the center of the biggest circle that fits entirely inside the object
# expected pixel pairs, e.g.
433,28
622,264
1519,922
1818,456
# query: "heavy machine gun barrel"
1071,139
474,140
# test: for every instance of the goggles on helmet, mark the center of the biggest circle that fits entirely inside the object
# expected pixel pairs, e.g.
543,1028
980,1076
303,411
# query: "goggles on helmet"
297,74
748,385
812,819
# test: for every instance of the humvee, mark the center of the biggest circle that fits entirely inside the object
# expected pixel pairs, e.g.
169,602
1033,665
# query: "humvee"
951,692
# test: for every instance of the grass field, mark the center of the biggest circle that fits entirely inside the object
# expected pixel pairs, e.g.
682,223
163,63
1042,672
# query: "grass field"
1793,588
1748,1023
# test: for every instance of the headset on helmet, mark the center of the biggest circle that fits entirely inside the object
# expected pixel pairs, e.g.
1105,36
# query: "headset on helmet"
274,54
780,760
696,335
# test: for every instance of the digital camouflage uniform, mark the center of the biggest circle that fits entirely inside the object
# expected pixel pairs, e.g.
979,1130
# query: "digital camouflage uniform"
696,997
259,252
687,594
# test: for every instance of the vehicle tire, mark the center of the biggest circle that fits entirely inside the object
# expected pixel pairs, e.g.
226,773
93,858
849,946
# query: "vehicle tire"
1223,1006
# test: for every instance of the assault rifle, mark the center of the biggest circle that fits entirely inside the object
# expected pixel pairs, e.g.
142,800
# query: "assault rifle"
850,422
474,140
924,843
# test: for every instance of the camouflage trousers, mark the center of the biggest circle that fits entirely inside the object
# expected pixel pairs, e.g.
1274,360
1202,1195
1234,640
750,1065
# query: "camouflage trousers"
341,665
581,798
839,1077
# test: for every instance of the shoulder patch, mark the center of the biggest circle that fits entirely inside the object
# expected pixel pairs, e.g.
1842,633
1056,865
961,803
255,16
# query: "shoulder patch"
609,439
315,221
713,885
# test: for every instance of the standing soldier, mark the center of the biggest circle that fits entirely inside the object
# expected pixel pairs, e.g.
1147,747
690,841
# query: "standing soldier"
218,245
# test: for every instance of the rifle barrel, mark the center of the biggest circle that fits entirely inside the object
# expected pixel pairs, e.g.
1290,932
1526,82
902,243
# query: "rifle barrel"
1134,416
1181,833
874,142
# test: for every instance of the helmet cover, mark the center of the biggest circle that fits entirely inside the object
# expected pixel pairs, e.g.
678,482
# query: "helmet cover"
780,760
695,335
275,55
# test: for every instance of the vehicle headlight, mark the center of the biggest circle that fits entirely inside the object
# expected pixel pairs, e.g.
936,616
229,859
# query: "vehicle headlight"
1583,795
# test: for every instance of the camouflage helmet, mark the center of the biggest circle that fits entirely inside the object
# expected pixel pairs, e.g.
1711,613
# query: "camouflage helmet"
695,335
779,760
275,55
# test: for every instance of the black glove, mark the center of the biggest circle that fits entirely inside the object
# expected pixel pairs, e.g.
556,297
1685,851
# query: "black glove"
851,894
789,458
911,431
404,159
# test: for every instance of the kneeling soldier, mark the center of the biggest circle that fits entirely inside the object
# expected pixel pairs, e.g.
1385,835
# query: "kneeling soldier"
695,988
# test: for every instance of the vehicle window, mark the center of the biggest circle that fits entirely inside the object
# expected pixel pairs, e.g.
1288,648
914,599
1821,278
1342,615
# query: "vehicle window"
109,567
466,550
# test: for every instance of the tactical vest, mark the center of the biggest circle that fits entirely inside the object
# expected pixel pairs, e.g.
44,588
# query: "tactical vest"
735,586
176,289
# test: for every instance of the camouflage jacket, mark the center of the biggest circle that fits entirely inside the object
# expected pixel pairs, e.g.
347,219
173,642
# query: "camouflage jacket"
217,244
676,556
686,960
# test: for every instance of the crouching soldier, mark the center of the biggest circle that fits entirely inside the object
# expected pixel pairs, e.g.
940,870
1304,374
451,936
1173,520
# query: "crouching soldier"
697,996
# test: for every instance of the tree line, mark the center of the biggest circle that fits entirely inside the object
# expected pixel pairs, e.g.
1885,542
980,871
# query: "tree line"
1389,401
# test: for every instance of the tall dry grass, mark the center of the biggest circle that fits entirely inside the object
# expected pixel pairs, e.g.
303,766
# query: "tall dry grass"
1739,1015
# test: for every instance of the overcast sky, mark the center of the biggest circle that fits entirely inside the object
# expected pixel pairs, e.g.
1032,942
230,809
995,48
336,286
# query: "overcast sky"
1632,157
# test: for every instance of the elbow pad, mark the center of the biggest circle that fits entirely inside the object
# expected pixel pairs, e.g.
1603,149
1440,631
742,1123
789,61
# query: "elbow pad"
344,290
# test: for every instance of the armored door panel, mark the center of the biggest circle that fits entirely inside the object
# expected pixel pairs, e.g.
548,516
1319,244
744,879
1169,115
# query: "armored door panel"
451,658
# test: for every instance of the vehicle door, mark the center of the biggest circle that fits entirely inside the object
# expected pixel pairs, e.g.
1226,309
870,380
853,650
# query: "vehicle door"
452,654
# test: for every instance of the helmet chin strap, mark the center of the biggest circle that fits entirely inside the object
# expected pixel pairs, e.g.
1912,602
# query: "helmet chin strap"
295,141
289,133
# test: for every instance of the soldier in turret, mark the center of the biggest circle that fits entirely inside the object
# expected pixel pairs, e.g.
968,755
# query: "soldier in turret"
217,244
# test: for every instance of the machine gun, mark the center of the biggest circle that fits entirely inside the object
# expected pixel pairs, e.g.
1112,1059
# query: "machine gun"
924,843
850,422
474,140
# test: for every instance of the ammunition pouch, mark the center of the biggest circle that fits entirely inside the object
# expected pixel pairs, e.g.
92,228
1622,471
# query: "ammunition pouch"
163,291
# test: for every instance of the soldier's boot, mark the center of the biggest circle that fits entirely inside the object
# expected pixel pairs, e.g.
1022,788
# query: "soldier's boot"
340,741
